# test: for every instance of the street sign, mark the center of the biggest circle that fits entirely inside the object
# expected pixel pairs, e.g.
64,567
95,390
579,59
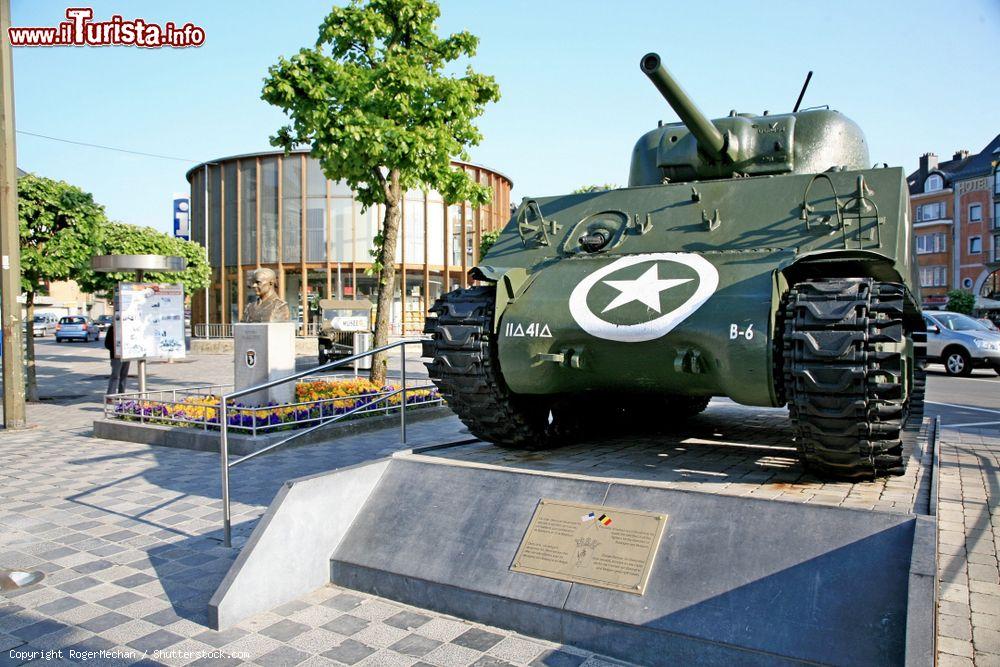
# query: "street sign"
182,217
149,321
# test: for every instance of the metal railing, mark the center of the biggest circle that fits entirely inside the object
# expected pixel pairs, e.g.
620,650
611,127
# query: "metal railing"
216,330
224,410
176,407
212,330
119,406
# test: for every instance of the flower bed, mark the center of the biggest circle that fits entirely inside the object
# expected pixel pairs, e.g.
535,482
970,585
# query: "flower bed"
317,401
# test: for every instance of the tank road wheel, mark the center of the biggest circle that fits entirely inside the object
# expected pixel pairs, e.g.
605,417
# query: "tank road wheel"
853,376
464,365
683,407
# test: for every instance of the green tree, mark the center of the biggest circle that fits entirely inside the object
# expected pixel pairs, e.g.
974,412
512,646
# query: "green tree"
375,104
123,239
60,228
595,188
961,301
487,240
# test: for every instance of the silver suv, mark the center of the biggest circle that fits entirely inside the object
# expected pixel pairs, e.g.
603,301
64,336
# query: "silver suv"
961,343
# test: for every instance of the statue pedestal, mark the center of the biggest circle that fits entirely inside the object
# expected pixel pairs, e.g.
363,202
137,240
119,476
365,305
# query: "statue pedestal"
264,352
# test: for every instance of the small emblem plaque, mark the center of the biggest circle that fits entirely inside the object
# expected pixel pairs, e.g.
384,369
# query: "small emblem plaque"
591,544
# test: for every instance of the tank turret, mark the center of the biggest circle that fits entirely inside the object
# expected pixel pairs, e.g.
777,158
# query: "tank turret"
806,142
712,142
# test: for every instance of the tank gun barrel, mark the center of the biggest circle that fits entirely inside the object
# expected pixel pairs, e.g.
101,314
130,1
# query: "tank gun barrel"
710,140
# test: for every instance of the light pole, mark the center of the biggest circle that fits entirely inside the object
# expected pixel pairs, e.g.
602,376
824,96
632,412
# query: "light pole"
14,414
208,259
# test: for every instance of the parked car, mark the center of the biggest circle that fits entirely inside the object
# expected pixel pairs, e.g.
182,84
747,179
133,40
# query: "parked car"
76,327
104,321
44,324
990,324
961,343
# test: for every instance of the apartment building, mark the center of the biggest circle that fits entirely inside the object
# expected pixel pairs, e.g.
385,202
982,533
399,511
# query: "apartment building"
955,207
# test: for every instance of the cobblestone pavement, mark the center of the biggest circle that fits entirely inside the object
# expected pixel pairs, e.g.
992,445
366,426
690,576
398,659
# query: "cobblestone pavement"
128,534
968,542
128,537
729,449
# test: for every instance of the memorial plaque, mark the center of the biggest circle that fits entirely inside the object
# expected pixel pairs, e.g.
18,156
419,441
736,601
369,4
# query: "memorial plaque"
591,544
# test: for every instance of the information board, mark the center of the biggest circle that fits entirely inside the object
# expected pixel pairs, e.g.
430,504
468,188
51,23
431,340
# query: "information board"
591,544
149,321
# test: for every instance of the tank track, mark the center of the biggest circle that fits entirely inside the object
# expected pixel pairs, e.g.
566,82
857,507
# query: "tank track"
854,396
464,366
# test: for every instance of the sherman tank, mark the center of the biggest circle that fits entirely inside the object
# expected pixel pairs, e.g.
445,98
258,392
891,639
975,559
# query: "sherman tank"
757,257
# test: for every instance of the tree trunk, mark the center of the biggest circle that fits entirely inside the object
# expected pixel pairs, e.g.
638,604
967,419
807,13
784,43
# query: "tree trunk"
386,283
31,390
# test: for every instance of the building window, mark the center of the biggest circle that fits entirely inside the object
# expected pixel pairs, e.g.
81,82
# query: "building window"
291,209
933,183
996,215
976,213
269,210
316,227
248,210
928,243
934,211
231,223
933,276
996,180
975,245
215,216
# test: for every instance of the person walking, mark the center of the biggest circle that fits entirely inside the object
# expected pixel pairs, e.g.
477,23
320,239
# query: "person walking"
119,368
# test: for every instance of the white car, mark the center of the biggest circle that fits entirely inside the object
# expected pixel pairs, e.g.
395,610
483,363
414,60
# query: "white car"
961,343
44,325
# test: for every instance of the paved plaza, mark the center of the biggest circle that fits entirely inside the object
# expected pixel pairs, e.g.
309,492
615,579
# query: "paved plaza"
729,449
128,535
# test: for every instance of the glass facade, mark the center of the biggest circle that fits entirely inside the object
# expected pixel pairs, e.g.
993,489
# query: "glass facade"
279,211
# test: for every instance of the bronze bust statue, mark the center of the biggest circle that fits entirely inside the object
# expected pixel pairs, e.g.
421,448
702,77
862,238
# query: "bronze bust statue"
268,307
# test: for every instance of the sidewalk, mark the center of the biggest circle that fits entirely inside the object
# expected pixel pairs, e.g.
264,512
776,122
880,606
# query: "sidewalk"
129,539
968,543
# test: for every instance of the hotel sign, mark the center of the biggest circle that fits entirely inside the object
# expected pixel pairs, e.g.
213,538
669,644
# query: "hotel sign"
981,183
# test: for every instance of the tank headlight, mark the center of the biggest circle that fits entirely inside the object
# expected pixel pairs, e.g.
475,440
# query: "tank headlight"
992,345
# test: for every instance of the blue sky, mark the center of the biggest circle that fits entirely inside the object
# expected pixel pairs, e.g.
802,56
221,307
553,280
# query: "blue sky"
573,99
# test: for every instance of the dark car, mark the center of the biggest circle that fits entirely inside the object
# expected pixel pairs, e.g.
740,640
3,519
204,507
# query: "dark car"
104,321
76,327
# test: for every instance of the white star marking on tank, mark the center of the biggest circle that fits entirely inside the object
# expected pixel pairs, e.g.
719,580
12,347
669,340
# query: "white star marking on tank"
646,288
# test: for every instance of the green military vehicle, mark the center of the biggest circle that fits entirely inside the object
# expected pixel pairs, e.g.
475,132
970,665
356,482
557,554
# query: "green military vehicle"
754,257
341,319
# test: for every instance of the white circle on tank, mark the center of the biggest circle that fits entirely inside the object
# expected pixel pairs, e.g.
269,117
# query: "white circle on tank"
708,281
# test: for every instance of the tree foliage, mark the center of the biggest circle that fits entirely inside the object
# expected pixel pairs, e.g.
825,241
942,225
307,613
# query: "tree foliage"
61,227
371,96
123,239
961,301
487,240
373,101
595,188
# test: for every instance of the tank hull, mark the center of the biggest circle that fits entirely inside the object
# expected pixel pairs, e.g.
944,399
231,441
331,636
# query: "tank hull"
685,299
686,323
